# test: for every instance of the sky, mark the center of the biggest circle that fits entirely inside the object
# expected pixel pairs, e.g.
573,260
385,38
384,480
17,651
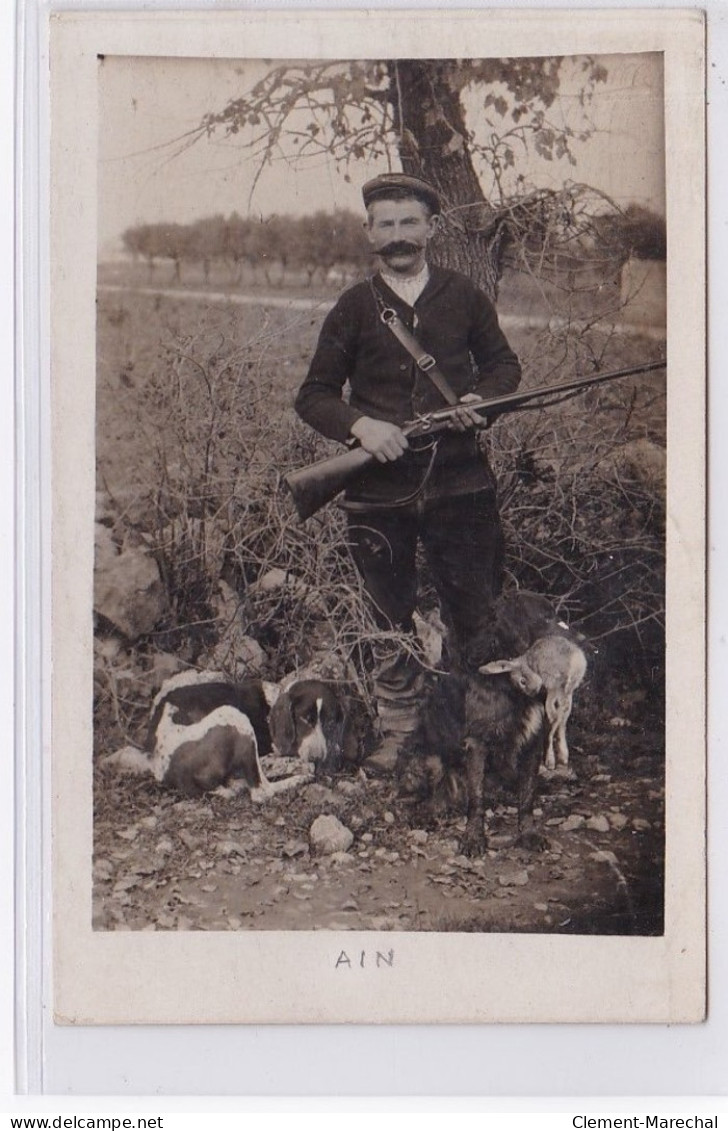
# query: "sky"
146,103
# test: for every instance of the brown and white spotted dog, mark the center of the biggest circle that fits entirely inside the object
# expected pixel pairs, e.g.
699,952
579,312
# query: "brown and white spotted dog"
313,720
206,733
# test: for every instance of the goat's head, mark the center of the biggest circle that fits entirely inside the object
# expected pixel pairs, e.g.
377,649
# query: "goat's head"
522,676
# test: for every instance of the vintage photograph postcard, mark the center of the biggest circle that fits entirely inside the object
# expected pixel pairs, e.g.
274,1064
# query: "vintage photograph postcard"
378,404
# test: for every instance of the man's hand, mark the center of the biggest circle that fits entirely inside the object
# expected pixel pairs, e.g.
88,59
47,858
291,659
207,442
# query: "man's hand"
381,439
464,418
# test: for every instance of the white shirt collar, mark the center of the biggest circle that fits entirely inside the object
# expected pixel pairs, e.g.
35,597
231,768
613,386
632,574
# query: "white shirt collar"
408,288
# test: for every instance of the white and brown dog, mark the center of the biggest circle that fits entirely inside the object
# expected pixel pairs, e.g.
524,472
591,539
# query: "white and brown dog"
206,732
312,720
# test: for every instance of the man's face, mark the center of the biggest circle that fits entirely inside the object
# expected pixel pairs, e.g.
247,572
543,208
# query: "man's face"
398,231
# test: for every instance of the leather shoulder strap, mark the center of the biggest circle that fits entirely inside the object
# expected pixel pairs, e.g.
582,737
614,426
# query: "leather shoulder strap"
424,361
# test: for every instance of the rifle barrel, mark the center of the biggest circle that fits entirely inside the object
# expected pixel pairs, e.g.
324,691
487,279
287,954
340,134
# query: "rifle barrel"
312,487
495,405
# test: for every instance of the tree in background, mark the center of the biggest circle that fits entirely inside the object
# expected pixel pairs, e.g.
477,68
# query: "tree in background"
207,242
459,124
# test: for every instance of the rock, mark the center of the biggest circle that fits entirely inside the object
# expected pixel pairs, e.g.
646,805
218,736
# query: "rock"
275,580
235,650
572,823
103,869
640,824
341,858
418,836
541,906
552,822
128,589
618,821
603,857
272,580
189,841
164,666
327,835
598,824
618,721
128,834
164,846
389,818
367,838
229,848
513,879
239,651
350,905
107,647
317,794
349,788
294,848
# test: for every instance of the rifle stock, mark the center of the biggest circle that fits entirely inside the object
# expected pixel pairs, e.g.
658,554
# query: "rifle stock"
315,486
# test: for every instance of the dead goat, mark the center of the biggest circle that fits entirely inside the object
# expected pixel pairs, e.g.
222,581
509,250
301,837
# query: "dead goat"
504,726
554,666
472,724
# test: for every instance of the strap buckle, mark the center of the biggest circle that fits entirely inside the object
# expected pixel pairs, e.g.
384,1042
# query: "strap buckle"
388,315
426,362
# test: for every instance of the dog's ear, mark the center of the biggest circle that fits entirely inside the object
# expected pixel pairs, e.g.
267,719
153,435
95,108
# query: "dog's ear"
497,667
282,726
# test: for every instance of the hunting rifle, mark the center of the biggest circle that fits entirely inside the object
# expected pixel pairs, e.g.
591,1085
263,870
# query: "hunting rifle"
315,486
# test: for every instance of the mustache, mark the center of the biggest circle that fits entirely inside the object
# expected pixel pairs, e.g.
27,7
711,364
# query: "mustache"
398,247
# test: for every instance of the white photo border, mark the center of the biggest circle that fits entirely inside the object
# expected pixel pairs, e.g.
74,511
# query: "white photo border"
113,961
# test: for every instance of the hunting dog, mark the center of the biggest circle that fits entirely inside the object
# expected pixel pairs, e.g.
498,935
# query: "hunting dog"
206,732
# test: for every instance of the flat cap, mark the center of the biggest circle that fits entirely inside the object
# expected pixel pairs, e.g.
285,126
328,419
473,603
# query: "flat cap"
394,184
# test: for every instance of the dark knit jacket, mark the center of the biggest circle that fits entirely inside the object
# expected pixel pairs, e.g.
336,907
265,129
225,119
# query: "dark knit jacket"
455,322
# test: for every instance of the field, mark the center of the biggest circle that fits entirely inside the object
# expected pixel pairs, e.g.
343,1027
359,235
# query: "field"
194,432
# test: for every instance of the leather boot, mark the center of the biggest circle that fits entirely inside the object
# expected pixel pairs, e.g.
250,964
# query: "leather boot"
398,687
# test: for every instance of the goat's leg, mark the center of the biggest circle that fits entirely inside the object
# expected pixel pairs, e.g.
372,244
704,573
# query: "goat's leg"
562,750
550,756
474,841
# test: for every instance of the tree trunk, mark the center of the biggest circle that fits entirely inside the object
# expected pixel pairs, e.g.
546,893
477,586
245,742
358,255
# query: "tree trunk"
429,121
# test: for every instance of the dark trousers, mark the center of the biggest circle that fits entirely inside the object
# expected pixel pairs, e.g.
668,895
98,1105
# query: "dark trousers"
463,542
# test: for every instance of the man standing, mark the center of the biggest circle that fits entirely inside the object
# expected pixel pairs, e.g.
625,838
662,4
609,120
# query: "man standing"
437,491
